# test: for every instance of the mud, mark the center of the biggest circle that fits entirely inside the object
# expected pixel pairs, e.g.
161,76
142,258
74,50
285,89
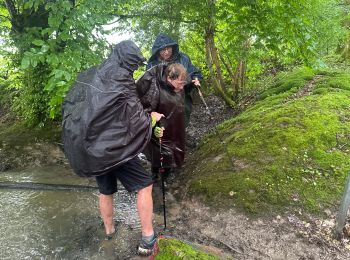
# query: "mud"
286,236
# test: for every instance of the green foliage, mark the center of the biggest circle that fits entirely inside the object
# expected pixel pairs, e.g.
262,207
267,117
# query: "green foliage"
146,18
267,35
31,102
275,34
176,249
3,80
284,151
61,39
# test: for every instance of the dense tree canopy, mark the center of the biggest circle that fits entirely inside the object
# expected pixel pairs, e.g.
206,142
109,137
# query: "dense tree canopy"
46,43
240,39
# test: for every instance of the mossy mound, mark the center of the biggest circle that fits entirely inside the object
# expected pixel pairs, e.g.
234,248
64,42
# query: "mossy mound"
291,148
176,249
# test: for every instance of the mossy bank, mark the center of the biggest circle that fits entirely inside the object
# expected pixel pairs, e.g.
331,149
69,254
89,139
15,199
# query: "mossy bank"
22,146
291,148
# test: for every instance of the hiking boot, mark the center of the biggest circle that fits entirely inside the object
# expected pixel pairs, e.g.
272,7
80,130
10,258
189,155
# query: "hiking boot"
146,248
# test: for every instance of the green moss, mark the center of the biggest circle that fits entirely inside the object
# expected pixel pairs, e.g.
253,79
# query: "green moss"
335,81
176,249
290,82
280,152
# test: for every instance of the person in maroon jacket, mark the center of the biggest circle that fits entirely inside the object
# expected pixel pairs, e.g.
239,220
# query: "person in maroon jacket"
161,89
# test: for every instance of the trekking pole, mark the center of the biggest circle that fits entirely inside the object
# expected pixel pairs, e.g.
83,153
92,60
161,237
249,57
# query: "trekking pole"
203,100
161,172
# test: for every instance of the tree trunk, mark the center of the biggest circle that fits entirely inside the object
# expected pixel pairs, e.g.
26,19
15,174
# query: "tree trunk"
231,74
346,50
243,75
345,53
213,61
216,84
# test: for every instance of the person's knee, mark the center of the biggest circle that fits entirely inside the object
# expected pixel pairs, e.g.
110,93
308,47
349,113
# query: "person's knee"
146,190
106,198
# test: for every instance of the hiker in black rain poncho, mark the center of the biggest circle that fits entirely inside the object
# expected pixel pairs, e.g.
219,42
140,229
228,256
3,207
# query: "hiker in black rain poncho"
161,89
166,51
104,129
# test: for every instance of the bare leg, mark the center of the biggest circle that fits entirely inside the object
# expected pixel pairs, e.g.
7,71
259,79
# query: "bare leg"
106,209
145,210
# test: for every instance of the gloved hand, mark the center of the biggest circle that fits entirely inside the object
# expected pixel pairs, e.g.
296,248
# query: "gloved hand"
153,121
158,131
155,116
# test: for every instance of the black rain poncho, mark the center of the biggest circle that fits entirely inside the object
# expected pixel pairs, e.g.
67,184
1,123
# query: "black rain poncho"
104,124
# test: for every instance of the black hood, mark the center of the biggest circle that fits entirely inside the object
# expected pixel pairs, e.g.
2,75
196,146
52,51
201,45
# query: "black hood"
161,42
125,55
128,55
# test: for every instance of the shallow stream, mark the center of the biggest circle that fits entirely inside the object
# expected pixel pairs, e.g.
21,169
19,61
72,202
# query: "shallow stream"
49,213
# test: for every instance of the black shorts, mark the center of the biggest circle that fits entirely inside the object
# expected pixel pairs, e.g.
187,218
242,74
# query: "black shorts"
131,174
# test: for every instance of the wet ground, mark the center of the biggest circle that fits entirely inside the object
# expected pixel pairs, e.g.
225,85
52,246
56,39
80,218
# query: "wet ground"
49,213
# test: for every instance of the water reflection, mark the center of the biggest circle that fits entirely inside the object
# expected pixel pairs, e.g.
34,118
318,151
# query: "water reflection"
47,224
37,224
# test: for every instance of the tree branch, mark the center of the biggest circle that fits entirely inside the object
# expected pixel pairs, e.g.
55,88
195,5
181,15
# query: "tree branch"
11,9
